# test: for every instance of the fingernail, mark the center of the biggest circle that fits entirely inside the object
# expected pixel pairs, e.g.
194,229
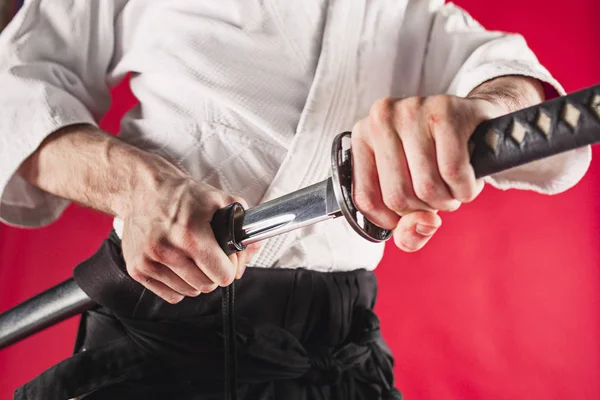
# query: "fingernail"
426,230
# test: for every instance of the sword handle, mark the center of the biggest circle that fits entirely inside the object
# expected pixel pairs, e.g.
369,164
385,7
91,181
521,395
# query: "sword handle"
226,224
550,128
546,129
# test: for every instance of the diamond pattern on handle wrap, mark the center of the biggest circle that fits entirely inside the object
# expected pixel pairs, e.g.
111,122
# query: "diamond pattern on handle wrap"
518,132
550,128
544,122
595,105
571,115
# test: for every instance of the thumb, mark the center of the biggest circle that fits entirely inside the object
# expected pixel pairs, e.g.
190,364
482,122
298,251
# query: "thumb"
415,229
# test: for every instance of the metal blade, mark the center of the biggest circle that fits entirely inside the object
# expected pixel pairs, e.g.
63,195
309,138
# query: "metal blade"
304,207
549,128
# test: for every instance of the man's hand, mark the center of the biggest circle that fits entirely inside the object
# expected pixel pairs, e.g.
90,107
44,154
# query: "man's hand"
411,156
168,244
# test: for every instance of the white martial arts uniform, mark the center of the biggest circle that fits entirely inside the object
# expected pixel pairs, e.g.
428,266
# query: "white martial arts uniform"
246,95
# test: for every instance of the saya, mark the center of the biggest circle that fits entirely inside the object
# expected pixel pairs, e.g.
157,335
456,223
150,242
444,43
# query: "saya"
518,138
556,126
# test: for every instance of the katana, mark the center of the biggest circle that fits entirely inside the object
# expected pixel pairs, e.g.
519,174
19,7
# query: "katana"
562,124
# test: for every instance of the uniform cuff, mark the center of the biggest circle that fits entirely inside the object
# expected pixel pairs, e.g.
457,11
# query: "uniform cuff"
23,127
551,175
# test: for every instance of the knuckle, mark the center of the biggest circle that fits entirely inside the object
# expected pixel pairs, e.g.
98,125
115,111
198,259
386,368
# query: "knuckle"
226,277
382,111
466,196
218,197
396,201
215,199
364,201
137,275
427,190
438,114
156,250
408,109
452,172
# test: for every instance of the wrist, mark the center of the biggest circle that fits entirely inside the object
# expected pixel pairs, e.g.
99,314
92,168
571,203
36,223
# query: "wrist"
511,93
145,176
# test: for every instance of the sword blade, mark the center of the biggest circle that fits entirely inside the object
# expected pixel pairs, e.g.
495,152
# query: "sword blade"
315,203
552,127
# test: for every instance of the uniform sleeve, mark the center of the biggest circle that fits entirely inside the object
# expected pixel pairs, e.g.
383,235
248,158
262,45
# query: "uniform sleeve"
462,55
54,62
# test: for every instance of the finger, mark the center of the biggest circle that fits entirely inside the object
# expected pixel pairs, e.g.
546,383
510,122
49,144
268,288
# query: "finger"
253,249
158,288
240,262
204,250
393,169
453,157
416,229
244,257
167,276
366,192
420,151
167,254
237,199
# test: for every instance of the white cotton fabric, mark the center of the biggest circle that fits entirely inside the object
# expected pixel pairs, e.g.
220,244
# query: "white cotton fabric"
246,95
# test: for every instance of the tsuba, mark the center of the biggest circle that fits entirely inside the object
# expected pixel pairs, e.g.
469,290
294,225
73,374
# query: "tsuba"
341,175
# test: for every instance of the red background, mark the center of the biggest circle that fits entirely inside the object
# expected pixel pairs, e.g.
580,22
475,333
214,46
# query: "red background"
504,303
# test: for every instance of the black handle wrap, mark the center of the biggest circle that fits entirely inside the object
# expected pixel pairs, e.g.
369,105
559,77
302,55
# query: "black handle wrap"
552,127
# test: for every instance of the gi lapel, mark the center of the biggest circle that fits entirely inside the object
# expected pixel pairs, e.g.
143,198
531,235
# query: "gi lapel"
355,68
330,109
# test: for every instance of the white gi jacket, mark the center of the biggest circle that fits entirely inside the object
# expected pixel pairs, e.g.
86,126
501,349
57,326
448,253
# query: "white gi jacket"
246,95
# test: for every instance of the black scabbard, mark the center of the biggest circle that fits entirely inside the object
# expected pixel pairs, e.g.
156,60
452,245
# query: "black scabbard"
42,311
547,129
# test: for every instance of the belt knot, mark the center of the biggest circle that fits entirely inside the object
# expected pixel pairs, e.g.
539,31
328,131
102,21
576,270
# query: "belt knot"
324,369
328,365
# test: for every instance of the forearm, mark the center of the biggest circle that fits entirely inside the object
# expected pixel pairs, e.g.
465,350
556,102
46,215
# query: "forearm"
510,92
85,165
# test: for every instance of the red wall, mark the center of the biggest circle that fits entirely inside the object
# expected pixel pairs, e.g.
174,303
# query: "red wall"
504,303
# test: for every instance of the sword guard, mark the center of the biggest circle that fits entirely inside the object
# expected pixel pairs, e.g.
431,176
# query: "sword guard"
341,174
